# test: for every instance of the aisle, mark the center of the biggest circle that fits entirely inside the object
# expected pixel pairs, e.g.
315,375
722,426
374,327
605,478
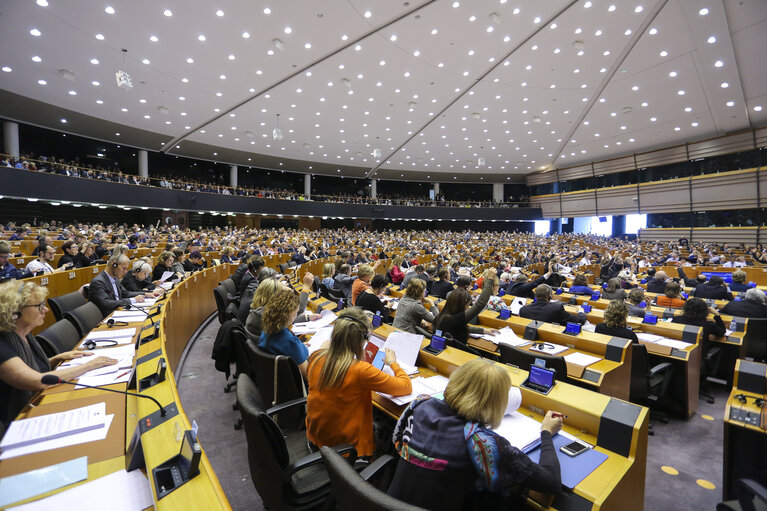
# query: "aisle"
690,451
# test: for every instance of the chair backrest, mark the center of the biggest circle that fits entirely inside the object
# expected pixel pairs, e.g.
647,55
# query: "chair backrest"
242,356
284,267
84,317
65,303
221,302
230,286
279,380
267,453
524,359
353,493
639,387
324,292
755,339
59,337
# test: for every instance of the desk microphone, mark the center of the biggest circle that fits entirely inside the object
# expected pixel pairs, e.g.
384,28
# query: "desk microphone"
52,379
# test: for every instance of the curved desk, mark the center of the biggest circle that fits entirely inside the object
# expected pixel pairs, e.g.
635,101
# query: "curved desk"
184,309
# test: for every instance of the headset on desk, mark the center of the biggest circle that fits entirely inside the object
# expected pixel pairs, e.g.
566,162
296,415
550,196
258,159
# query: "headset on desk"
94,343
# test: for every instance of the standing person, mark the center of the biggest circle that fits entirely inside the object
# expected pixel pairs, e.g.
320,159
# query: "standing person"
339,406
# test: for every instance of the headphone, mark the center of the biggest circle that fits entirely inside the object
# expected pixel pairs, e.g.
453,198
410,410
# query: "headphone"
359,323
111,322
91,344
542,346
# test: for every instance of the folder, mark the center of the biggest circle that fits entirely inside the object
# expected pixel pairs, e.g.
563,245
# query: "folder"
573,470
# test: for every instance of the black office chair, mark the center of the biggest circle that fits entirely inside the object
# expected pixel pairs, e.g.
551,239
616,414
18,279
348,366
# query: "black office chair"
86,291
59,337
65,303
285,473
284,268
649,384
752,496
709,366
221,302
230,286
755,340
524,359
324,291
335,294
85,317
351,489
243,363
279,381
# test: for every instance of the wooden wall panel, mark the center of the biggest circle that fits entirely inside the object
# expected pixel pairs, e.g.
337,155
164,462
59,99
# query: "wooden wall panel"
619,200
578,204
726,190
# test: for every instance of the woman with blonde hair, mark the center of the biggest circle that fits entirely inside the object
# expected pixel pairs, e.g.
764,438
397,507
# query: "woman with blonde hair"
22,360
163,264
614,322
448,447
276,338
328,270
339,406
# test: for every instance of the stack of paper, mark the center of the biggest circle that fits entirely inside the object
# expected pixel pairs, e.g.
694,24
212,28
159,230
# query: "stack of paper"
122,353
55,430
130,316
121,335
644,336
148,302
166,275
405,345
517,304
506,336
419,388
521,431
581,359
680,345
326,318
316,341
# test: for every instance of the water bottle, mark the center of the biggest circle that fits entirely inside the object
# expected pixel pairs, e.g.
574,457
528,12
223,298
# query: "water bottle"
733,326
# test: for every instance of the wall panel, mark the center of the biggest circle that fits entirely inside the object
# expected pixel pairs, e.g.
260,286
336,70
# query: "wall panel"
726,190
665,196
618,200
578,204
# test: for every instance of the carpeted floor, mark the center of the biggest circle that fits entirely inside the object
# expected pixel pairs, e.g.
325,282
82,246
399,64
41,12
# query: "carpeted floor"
690,449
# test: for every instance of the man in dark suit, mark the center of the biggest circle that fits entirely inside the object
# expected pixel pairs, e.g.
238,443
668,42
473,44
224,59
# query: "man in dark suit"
752,306
700,279
543,309
658,284
714,289
108,293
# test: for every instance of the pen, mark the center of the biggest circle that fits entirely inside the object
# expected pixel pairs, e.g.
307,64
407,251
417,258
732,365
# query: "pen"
126,372
555,414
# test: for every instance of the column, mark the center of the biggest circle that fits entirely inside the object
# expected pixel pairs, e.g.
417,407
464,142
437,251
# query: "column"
373,188
143,163
308,186
233,176
436,190
11,138
498,192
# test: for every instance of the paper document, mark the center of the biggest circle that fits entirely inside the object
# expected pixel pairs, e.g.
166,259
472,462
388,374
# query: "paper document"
419,388
516,305
549,348
506,336
322,335
148,302
581,359
405,345
92,435
521,431
326,318
113,334
123,354
36,482
129,316
680,345
166,275
118,491
100,378
47,427
644,336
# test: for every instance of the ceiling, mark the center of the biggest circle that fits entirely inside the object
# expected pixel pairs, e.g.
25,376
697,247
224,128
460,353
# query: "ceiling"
477,90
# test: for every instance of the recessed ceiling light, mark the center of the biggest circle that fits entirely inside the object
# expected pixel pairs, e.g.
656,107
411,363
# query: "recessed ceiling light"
222,77
71,93
64,121
109,9
42,3
35,32
703,11
382,63
711,40
680,92
758,108
724,85
168,12
653,119
219,94
142,100
190,60
201,38
627,32
663,53
7,69
653,31
598,33
123,109
287,30
100,37
730,103
638,9
718,63
672,74
635,88
606,53
246,35
434,31
98,101
368,14
153,38
42,82
145,61
537,20
185,80
219,13
688,109
611,8
95,83
308,46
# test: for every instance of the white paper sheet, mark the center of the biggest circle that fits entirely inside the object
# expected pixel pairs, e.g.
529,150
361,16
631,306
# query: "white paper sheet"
322,335
326,318
166,275
680,345
78,438
549,348
128,316
418,388
406,346
119,491
506,336
148,302
516,304
47,427
521,431
644,336
112,333
581,359
118,376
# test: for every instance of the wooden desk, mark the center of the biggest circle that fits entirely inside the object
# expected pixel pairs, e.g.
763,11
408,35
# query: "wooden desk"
617,428
745,428
184,309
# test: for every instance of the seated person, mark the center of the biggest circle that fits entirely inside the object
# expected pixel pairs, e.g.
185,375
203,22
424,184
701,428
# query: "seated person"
580,285
371,299
328,270
522,287
657,284
276,337
195,262
108,293
672,296
70,253
700,279
22,361
227,255
714,289
440,288
344,281
544,309
85,255
163,264
365,273
44,260
454,317
395,272
739,281
137,279
449,452
614,291
298,256
636,296
8,270
753,305
339,406
614,322
179,257
249,279
418,273
696,313
411,310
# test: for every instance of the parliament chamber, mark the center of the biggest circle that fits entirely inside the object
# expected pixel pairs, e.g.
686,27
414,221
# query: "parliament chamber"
432,254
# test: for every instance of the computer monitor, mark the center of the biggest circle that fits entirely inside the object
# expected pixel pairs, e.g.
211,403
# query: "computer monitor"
541,376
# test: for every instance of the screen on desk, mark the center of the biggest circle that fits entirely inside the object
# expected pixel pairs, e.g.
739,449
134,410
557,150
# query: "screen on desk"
377,320
727,276
437,342
541,376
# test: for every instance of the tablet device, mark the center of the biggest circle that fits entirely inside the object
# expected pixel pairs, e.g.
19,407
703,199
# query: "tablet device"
586,307
540,379
650,319
377,319
572,328
378,360
436,346
504,314
595,296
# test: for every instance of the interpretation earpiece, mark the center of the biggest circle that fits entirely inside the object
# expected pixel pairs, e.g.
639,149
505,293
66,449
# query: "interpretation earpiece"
16,315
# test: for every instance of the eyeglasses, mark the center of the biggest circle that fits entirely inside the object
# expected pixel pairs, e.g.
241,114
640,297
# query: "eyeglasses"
40,306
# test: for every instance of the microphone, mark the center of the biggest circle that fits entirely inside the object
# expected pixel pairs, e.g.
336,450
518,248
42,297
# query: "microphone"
52,379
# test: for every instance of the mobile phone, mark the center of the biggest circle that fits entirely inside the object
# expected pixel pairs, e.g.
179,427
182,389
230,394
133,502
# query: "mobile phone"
573,449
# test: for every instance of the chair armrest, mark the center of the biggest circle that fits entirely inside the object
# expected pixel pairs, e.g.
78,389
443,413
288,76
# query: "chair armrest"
665,366
316,457
746,489
285,406
377,466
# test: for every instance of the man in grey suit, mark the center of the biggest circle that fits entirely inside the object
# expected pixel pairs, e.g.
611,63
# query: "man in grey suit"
106,290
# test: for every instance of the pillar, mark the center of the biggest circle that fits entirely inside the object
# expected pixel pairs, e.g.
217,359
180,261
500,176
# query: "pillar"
11,138
143,163
436,190
308,186
233,176
373,188
498,192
